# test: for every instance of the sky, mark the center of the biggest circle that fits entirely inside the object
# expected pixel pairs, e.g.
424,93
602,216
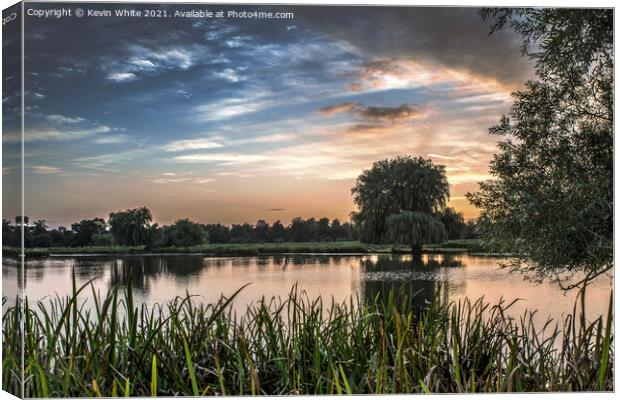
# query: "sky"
235,120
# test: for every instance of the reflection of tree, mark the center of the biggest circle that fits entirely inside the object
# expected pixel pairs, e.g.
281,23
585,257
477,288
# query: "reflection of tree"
142,269
409,276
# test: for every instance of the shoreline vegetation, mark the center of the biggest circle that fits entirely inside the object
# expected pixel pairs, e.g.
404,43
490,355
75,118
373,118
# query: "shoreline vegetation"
299,345
471,246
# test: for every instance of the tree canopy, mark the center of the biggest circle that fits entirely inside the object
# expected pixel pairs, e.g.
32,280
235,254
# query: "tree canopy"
551,199
131,227
411,186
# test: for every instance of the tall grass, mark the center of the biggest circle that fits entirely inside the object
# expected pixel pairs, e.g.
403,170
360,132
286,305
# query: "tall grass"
298,345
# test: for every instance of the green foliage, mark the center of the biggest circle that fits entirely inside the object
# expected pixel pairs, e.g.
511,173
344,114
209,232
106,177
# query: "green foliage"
454,223
131,227
551,199
84,230
101,239
393,186
415,229
298,345
183,233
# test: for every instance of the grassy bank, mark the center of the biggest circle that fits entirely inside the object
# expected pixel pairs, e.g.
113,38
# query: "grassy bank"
299,345
253,249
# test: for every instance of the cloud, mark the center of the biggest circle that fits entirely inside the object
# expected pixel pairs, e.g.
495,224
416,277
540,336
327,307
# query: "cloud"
170,180
192,144
453,37
46,170
375,116
227,158
61,119
122,76
272,138
337,108
248,102
388,114
229,74
440,156
54,134
112,139
149,60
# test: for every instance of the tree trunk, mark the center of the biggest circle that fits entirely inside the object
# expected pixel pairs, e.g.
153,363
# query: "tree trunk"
416,250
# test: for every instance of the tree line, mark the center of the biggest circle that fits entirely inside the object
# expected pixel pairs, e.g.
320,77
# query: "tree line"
134,227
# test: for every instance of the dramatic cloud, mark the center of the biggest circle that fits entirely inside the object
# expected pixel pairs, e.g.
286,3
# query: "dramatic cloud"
375,116
388,114
451,37
268,113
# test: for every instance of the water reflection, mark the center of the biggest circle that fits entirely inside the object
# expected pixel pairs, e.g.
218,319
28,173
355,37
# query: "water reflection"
158,279
409,276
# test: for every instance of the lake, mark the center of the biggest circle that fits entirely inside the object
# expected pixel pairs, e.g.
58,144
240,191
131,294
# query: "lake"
160,278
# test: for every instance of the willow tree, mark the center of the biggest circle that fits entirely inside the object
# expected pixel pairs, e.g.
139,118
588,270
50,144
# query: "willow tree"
409,191
415,229
551,199
131,227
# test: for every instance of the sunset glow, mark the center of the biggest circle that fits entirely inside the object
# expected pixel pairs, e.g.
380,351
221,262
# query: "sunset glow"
240,120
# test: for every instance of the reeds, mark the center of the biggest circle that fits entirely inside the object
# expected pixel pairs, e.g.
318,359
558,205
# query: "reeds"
298,345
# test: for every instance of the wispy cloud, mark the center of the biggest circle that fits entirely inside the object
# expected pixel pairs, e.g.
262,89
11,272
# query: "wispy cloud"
112,139
46,169
61,119
140,61
192,144
227,158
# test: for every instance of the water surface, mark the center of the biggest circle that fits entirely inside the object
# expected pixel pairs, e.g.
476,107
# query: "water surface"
158,279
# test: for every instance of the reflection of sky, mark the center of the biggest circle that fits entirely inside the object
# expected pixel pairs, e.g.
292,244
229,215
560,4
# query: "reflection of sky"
232,121
160,279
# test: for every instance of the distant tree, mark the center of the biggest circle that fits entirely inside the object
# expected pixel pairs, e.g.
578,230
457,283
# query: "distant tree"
218,233
299,230
9,234
415,229
349,231
41,240
337,230
454,223
472,230
396,186
84,230
19,218
131,227
242,233
323,229
105,239
277,232
184,233
261,231
39,227
61,237
551,199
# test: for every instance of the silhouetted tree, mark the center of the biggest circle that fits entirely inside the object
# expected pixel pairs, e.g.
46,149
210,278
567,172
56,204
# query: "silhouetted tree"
261,231
183,233
84,230
551,199
277,232
454,223
131,227
410,185
415,229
